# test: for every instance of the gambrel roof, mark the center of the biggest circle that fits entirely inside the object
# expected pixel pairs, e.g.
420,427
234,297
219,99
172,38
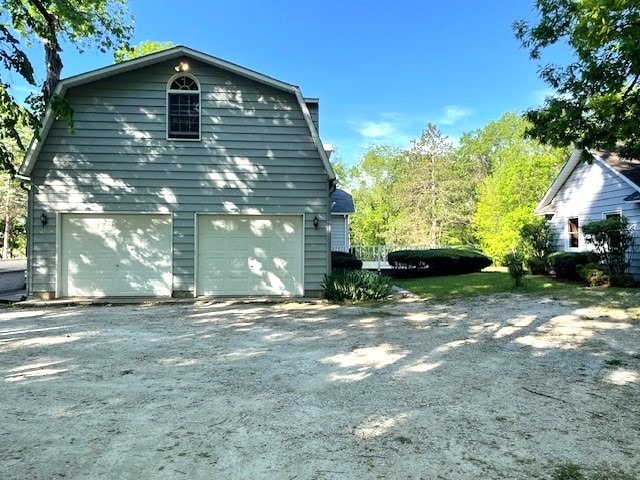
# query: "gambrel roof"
178,53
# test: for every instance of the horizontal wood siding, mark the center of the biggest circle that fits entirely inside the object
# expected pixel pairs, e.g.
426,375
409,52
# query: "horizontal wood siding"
256,155
339,241
591,191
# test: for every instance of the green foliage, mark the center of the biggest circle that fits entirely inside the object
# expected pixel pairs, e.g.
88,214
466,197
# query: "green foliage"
596,100
355,285
514,261
593,274
345,261
612,240
435,262
433,195
146,47
374,180
568,472
520,171
537,266
536,238
104,24
565,264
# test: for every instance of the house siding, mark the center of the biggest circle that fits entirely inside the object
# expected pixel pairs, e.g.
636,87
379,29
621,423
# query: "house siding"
256,156
591,191
339,241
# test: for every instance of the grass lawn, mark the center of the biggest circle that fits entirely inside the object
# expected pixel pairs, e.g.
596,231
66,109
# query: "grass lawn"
493,281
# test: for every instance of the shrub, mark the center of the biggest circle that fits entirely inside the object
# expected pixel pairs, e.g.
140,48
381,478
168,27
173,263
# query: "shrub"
537,266
565,264
345,261
437,261
514,261
355,285
536,239
593,274
612,240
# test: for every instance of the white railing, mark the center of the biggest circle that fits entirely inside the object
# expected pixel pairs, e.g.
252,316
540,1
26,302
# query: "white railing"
378,253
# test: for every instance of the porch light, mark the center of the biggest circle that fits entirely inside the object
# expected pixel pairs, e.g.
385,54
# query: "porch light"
44,220
316,221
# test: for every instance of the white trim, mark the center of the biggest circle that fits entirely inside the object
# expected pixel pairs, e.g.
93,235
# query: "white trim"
567,234
196,246
58,255
611,212
616,173
168,91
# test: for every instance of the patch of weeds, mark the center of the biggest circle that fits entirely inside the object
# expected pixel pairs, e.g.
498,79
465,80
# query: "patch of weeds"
614,362
403,440
569,471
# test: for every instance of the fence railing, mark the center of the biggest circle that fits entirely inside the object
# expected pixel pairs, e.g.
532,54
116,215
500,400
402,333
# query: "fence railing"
378,253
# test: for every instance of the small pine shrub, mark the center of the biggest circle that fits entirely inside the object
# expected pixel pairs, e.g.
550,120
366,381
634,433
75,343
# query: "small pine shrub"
436,261
514,261
355,285
593,274
345,261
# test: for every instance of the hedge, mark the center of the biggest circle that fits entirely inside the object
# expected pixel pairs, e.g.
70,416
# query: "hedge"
565,264
345,261
436,262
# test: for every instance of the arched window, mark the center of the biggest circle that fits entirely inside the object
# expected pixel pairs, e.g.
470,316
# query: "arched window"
183,107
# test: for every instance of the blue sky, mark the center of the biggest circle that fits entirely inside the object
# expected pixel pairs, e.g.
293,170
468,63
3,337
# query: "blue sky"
381,69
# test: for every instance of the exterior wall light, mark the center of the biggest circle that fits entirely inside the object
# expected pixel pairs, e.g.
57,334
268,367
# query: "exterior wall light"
44,220
181,67
316,221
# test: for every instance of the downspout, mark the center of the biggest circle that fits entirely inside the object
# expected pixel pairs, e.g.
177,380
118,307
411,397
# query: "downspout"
29,190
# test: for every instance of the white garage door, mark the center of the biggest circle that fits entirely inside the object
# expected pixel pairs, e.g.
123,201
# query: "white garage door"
249,255
115,255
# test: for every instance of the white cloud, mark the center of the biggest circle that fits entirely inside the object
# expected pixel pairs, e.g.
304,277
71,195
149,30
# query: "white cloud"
375,129
453,114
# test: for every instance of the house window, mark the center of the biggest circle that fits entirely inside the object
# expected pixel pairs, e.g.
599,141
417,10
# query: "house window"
615,240
183,108
573,226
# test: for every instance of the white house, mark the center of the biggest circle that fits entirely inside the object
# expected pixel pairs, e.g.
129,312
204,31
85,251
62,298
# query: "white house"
593,186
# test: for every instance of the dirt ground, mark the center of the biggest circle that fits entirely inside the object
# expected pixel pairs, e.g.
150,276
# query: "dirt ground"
506,387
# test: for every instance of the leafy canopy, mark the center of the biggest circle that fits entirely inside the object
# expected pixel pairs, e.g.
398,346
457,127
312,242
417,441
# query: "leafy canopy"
597,100
145,47
103,24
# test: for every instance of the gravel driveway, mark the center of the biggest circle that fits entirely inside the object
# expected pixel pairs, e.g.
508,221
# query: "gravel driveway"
506,387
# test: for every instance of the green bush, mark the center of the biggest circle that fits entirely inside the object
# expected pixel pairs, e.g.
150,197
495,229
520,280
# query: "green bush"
593,274
345,261
514,261
565,264
537,266
355,285
435,262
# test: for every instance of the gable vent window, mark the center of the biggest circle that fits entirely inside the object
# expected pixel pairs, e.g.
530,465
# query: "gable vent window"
183,108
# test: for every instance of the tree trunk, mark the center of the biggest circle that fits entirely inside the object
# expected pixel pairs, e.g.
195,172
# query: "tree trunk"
7,232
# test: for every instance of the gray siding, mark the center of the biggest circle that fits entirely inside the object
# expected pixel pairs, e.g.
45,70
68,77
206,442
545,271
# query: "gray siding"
256,155
339,237
591,191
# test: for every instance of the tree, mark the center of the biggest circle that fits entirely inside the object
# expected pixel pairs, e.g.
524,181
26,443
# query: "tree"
431,195
13,201
373,180
520,171
597,97
146,47
100,23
